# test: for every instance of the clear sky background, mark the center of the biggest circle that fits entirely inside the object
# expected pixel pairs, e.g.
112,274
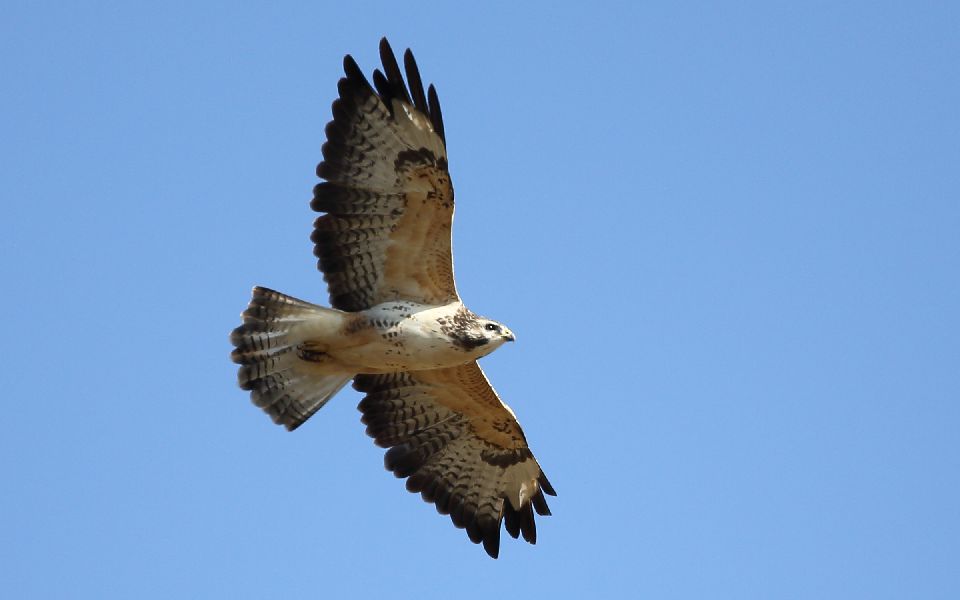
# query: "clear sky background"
727,236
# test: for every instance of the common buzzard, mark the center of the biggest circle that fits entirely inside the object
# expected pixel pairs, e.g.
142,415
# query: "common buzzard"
397,326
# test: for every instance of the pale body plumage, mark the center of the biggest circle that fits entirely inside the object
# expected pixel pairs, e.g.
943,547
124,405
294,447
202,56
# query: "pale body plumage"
394,336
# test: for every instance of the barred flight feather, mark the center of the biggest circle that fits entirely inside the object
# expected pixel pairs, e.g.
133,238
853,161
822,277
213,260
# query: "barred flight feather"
435,440
385,153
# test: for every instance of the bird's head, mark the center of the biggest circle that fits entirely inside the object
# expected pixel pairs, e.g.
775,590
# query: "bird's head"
481,336
496,332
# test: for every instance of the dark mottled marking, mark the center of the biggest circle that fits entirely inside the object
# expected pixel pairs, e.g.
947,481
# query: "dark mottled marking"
305,352
356,325
423,156
463,329
504,458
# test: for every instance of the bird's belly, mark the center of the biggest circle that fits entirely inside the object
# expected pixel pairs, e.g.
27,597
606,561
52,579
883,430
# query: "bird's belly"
401,353
398,336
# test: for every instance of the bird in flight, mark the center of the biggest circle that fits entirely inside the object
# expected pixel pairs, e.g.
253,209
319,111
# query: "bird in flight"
396,326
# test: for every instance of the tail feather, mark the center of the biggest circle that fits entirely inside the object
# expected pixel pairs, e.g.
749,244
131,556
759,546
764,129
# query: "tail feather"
286,387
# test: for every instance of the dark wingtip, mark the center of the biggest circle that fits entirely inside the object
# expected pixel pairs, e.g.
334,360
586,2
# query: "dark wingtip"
492,546
415,83
511,521
528,524
540,505
350,67
436,117
545,485
391,69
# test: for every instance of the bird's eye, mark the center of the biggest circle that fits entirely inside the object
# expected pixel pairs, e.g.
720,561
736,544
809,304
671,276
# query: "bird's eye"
491,327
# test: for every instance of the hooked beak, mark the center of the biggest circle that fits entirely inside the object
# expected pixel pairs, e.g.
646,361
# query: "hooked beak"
508,335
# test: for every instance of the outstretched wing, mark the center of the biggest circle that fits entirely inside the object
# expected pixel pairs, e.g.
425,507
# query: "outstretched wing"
387,195
459,446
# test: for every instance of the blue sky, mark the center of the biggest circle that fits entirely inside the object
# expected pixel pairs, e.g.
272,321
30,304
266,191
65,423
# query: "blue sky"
727,236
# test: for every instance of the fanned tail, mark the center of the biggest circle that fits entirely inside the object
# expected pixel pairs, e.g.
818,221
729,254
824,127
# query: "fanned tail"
269,347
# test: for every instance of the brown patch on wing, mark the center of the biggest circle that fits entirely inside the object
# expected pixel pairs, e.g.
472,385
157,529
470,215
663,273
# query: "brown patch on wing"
460,447
467,391
387,195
